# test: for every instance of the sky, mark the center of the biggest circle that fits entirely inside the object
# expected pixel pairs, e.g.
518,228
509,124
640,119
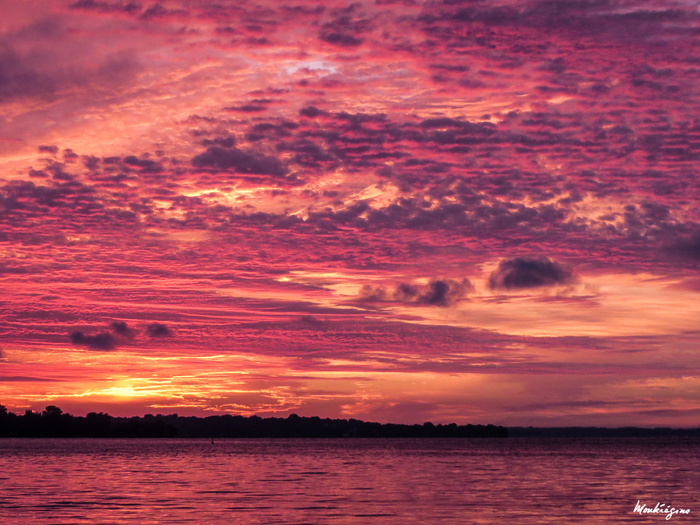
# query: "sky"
397,211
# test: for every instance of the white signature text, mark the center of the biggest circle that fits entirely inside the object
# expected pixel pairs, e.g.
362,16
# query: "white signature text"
660,508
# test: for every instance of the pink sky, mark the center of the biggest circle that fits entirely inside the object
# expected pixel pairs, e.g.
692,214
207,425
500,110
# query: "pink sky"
480,212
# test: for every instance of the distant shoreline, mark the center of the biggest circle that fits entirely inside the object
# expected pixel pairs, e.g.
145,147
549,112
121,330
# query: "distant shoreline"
686,433
54,423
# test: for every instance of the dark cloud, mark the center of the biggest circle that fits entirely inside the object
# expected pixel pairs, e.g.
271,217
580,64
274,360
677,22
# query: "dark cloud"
122,328
228,141
158,11
240,161
307,153
339,38
443,122
119,327
438,292
145,165
248,108
91,162
269,130
687,248
595,17
158,330
53,150
519,273
256,105
30,68
29,198
101,341
311,111
107,7
18,77
344,31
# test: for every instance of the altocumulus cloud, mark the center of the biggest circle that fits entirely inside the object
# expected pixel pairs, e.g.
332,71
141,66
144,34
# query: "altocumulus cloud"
240,161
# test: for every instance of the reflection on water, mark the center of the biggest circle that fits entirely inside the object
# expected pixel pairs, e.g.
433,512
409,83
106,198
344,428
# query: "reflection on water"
516,481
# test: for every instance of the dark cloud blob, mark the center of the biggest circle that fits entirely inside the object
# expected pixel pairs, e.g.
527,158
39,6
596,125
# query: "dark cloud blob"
145,165
521,272
248,108
339,38
158,330
101,341
240,161
311,112
119,327
254,106
438,292
122,329
53,150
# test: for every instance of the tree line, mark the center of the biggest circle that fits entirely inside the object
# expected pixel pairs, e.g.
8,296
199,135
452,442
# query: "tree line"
53,422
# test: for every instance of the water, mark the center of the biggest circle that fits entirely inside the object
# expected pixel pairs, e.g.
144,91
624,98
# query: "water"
384,481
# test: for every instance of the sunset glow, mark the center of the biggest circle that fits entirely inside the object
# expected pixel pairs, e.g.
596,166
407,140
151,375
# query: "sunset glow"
479,212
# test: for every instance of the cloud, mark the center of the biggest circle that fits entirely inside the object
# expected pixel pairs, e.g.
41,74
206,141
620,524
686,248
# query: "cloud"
122,329
239,161
101,341
344,31
18,78
107,7
521,272
70,195
598,18
158,330
145,165
228,141
438,292
255,105
689,248
25,379
53,150
311,112
50,71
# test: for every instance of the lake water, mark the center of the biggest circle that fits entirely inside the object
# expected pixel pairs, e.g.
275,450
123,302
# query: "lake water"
384,481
